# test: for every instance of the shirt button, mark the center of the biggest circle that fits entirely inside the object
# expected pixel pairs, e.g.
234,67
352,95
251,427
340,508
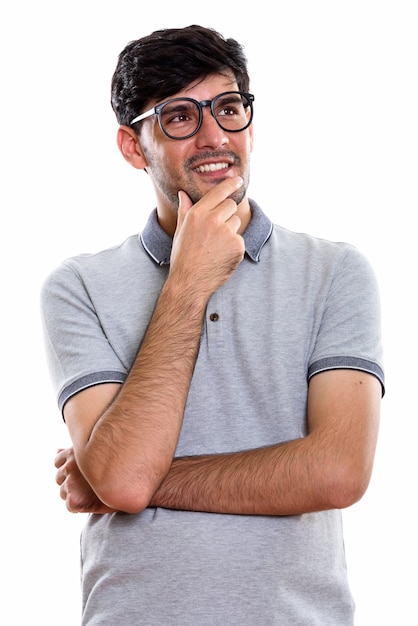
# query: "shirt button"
213,317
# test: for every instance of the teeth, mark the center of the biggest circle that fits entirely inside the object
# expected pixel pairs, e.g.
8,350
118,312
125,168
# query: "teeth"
211,167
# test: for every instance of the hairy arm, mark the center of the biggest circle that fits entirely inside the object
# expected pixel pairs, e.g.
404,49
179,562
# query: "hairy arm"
329,468
125,436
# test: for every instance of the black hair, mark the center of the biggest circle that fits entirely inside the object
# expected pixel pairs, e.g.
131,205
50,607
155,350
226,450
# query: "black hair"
163,63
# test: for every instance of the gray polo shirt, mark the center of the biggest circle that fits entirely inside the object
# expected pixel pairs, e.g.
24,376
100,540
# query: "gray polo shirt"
297,305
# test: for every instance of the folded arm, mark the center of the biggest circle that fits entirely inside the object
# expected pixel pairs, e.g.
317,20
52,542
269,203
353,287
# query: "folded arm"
329,468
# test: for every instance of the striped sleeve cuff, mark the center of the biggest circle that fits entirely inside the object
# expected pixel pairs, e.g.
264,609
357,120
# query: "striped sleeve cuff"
350,363
96,378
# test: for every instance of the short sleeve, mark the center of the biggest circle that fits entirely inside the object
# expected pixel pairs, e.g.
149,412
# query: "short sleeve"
349,336
78,352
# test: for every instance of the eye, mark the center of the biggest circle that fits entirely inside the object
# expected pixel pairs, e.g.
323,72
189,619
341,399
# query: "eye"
180,116
179,113
228,110
231,107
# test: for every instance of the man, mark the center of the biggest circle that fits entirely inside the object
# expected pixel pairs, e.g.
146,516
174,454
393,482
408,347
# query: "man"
220,376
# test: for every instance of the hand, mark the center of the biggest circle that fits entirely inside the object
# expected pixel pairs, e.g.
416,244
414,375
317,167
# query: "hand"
206,245
74,489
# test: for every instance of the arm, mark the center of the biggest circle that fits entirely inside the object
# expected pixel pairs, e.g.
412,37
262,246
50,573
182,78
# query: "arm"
329,468
124,437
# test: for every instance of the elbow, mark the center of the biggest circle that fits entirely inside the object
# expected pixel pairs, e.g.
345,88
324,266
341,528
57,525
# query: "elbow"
347,487
125,501
125,498
121,491
121,487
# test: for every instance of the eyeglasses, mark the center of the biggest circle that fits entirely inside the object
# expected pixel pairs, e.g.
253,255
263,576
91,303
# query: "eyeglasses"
181,118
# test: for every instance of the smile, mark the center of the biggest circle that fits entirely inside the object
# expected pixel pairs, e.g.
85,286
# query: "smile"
211,167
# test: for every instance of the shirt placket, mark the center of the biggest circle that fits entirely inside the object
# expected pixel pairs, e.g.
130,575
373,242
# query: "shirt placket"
215,320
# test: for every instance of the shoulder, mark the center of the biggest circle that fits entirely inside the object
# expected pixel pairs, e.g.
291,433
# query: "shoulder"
120,254
102,265
308,255
301,242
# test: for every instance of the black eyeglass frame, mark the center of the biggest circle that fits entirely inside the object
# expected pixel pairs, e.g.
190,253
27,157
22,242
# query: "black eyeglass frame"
157,109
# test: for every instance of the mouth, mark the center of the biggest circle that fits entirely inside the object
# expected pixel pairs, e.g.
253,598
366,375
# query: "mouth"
211,167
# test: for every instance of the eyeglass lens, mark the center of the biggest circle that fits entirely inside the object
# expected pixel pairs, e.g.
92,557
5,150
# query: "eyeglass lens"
181,118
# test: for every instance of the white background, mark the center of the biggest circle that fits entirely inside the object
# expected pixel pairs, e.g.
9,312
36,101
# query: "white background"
335,155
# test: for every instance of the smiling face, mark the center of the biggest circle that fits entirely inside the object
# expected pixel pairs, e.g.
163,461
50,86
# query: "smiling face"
195,164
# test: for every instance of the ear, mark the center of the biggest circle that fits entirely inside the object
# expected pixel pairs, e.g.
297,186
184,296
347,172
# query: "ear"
130,147
251,129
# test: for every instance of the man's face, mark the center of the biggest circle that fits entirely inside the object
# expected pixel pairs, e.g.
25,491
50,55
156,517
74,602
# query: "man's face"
195,164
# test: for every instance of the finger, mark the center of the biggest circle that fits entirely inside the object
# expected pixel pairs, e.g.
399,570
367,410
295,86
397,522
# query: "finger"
63,491
215,196
225,210
223,190
60,457
185,204
60,476
234,222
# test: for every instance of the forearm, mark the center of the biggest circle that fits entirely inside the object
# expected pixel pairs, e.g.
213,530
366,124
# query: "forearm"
252,482
132,444
329,468
125,443
286,479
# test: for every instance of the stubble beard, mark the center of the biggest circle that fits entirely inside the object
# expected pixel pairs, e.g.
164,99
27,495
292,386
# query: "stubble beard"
169,185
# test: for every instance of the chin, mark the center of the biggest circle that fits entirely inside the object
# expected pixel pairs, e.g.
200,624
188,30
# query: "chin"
239,195
197,194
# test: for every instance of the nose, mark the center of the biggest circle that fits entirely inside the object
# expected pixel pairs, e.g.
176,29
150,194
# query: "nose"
210,134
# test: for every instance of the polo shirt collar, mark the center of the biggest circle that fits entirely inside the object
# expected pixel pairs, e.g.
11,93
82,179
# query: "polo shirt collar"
157,243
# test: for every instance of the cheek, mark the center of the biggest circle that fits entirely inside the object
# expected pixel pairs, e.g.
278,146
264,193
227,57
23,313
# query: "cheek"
169,153
243,145
251,138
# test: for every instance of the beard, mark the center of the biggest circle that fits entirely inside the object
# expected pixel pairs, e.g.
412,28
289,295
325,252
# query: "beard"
170,182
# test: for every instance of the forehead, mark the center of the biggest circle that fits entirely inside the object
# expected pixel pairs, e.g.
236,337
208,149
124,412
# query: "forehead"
208,87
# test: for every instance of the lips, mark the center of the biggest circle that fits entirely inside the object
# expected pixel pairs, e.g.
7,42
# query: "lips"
211,167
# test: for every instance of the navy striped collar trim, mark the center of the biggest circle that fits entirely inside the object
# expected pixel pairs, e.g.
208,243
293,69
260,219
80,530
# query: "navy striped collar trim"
157,243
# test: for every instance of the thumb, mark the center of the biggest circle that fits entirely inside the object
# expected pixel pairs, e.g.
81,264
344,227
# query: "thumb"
185,204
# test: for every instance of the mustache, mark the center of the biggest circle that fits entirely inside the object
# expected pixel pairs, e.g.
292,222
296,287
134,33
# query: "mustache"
228,155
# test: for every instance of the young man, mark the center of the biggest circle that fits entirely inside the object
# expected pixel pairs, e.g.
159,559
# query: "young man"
220,376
